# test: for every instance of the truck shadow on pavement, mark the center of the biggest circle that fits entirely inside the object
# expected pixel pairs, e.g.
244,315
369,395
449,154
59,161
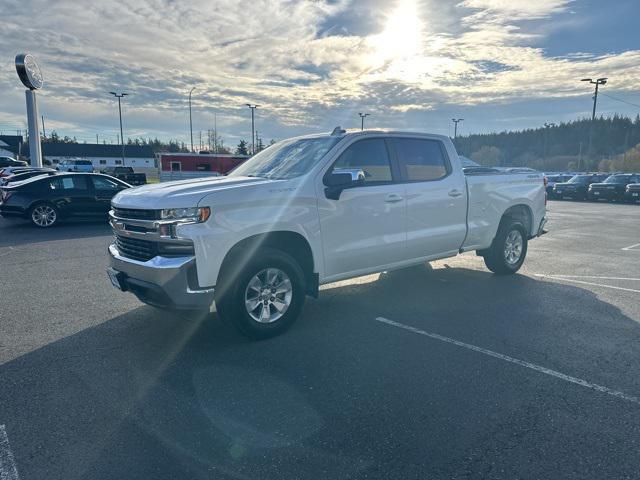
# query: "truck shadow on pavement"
153,395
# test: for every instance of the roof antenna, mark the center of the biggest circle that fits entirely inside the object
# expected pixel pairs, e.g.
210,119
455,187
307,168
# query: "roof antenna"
338,131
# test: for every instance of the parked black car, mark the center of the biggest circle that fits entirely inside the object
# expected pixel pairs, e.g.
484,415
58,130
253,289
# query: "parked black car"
578,186
632,192
613,188
126,174
47,200
11,162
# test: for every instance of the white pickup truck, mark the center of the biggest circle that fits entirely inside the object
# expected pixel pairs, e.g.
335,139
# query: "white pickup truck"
313,210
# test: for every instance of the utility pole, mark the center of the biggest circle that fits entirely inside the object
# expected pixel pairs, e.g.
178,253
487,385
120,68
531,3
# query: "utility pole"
44,130
97,138
455,126
597,83
119,97
547,126
190,121
200,134
362,117
580,156
253,127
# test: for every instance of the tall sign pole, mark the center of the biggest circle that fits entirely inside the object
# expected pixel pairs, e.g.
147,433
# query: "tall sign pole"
31,77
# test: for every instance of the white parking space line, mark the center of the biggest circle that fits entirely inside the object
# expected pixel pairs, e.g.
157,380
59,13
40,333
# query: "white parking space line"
631,247
8,470
595,276
572,280
516,361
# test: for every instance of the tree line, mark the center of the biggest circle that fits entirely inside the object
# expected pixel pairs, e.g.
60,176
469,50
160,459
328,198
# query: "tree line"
606,144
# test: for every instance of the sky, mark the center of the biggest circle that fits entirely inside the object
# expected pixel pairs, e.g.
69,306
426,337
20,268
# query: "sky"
312,65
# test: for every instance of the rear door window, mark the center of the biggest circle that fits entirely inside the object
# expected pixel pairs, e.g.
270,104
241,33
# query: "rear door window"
68,183
421,159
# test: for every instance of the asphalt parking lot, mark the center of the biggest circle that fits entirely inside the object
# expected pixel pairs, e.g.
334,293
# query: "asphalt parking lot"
443,372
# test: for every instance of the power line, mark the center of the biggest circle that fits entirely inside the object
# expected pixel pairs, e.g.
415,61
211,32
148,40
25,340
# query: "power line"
620,100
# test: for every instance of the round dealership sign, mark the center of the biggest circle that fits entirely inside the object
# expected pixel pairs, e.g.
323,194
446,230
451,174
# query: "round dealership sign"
28,71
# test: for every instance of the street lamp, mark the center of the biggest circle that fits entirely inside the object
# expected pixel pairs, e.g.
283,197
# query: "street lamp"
597,83
362,117
253,127
190,121
119,97
455,127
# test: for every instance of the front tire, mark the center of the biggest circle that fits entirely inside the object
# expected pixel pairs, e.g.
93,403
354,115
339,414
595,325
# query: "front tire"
265,297
44,215
508,250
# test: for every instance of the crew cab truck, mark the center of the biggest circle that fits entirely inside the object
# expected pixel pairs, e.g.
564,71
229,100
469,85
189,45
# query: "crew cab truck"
126,174
313,210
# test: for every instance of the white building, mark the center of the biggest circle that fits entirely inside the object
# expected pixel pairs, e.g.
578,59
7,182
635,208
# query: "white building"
140,157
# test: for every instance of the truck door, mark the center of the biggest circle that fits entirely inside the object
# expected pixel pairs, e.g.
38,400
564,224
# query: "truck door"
436,197
365,227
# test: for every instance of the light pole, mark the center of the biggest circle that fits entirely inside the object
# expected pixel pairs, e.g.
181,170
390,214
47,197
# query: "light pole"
597,83
455,126
119,97
253,127
362,117
190,121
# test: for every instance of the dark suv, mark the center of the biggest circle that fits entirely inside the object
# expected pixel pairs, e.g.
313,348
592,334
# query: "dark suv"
578,186
632,192
613,188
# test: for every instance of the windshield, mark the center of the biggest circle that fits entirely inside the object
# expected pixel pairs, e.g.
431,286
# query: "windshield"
616,179
287,159
580,179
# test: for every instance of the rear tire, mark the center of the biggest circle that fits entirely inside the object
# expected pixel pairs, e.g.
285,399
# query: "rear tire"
265,297
508,250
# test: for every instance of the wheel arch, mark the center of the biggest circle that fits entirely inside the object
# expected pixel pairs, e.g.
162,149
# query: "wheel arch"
521,213
289,242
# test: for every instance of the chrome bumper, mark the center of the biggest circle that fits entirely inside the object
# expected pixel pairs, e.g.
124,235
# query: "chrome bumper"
161,281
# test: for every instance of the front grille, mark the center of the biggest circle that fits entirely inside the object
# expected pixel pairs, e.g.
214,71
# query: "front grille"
136,249
136,214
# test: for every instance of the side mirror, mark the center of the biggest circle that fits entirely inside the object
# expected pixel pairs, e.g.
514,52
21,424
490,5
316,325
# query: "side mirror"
341,179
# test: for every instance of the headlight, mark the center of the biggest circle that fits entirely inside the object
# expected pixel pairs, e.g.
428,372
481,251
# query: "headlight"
193,214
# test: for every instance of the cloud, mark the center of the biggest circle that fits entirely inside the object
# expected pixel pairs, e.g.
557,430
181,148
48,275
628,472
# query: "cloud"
308,64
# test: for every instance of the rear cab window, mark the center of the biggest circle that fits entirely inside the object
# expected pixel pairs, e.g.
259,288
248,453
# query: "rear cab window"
421,159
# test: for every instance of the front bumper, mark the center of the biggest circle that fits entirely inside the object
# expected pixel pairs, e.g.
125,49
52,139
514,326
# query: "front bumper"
632,195
162,281
606,194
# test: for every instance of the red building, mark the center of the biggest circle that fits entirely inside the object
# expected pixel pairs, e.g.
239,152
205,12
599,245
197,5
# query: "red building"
190,165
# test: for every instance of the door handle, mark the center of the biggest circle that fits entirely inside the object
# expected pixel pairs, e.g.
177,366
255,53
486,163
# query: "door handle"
393,198
455,193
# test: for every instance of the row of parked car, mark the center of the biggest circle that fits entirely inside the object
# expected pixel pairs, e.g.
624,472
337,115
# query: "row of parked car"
45,196
11,166
617,187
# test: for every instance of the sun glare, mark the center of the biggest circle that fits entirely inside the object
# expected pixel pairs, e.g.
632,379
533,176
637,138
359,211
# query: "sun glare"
402,36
